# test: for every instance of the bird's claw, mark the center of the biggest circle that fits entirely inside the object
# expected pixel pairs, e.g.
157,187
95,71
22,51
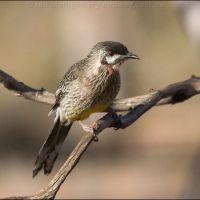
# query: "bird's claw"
95,138
117,118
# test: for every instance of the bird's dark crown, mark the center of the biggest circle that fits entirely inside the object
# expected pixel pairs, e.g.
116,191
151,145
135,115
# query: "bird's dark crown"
111,47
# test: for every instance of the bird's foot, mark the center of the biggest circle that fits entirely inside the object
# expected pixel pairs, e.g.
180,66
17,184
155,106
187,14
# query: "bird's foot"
90,129
115,116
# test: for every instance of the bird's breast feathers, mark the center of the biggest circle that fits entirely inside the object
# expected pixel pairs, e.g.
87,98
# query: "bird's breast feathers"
97,108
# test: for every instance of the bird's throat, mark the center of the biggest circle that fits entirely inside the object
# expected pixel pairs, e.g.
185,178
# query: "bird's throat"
110,69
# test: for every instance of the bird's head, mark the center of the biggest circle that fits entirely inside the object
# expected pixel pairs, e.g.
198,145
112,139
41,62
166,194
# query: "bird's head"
111,55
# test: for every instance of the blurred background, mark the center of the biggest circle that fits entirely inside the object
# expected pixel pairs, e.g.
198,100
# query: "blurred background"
159,155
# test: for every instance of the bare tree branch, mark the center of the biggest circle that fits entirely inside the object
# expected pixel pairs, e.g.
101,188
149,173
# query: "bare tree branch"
184,90
136,107
20,89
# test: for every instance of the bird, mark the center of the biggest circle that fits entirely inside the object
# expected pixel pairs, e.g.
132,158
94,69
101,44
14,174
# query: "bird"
89,86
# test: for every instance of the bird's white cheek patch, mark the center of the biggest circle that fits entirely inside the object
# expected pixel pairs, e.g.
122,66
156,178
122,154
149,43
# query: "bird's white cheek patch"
112,59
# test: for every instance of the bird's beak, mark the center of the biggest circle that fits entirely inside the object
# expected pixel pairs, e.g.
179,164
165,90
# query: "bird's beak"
130,55
127,56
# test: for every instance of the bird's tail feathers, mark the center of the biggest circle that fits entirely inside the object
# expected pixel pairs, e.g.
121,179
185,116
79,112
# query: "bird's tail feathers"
51,147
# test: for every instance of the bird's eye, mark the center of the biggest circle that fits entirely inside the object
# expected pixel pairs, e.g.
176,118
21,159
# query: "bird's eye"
104,61
111,54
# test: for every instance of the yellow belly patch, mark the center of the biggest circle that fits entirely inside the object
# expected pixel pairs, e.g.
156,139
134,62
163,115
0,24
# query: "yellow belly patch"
96,108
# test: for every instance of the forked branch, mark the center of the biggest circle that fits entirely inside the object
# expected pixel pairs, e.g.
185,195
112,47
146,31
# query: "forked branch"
135,107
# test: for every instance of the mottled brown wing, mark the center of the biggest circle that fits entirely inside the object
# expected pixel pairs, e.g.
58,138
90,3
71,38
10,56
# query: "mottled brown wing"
72,74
